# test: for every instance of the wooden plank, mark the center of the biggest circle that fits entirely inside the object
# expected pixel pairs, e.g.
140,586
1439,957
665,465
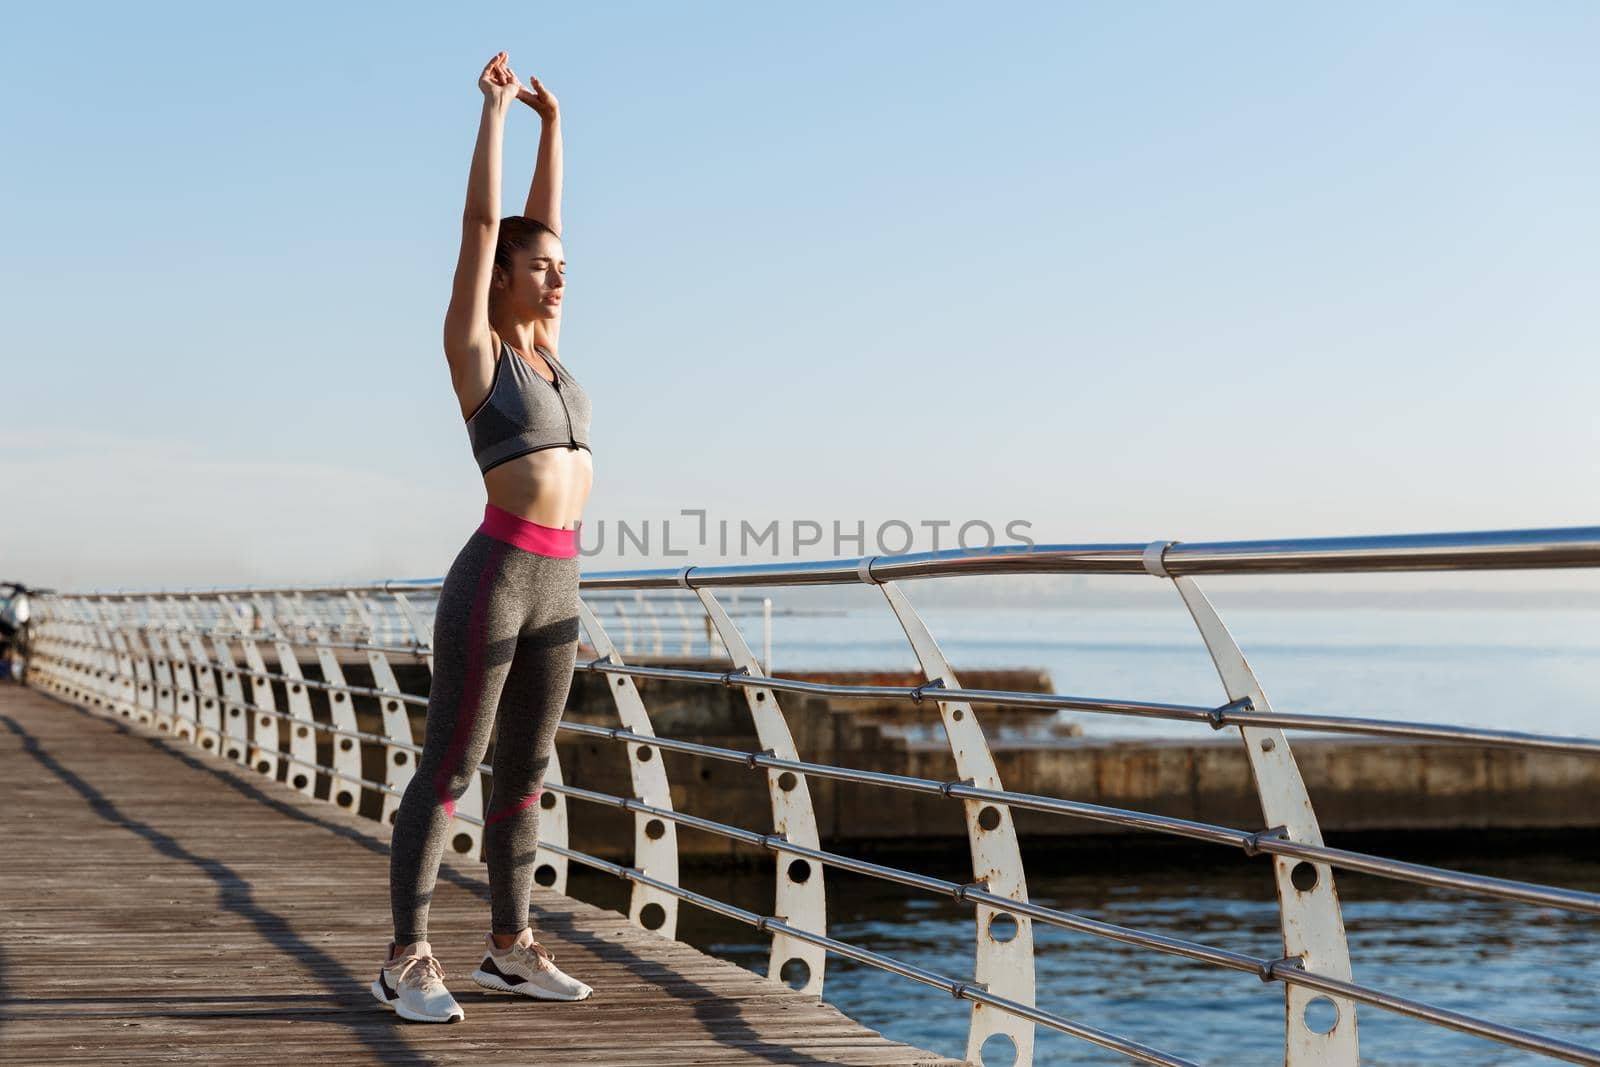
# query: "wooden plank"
158,904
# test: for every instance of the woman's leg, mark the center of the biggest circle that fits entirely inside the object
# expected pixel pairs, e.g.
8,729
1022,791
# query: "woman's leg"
482,608
531,705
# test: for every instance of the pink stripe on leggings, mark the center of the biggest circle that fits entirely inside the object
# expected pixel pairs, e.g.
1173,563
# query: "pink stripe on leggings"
505,813
529,536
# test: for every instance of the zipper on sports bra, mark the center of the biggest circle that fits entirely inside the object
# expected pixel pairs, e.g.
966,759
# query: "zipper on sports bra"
561,395
572,441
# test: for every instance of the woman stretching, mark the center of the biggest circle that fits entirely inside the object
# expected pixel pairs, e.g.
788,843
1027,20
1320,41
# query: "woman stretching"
505,637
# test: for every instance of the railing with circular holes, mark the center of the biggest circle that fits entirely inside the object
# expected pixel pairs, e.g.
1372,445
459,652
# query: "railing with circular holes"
193,664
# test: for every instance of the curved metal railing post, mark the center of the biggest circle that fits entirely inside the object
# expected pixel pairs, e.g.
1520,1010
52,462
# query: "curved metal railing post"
102,662
1308,903
801,897
203,698
266,730
1003,964
235,709
143,663
185,708
41,670
95,667
126,693
64,635
421,629
399,761
83,659
655,840
302,730
345,788
166,682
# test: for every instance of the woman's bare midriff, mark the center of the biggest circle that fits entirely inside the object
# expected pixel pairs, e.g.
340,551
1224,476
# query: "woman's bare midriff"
549,487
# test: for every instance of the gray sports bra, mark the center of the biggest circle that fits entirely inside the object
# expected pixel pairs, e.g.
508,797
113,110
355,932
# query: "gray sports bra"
524,413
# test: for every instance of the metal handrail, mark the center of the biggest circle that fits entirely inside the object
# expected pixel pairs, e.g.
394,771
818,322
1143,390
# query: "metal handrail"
1577,546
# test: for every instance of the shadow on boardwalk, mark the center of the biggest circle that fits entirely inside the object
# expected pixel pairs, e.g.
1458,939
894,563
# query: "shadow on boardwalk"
159,901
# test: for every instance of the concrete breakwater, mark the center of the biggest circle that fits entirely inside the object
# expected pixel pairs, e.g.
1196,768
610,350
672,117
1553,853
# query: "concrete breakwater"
1356,785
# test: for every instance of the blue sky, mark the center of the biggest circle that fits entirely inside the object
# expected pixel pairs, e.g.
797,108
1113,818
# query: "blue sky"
1117,271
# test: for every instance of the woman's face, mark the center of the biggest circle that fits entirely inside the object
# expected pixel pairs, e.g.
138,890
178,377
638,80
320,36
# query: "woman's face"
538,280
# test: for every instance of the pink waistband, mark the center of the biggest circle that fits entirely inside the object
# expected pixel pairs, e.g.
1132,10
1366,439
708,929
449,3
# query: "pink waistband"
501,525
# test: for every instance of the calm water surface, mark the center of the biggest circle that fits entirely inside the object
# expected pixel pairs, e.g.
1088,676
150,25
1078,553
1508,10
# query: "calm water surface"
1494,959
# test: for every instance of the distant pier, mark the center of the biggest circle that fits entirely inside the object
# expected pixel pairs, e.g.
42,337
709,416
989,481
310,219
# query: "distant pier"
1359,785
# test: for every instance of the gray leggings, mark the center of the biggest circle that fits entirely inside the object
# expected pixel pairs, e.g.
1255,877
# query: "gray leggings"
504,645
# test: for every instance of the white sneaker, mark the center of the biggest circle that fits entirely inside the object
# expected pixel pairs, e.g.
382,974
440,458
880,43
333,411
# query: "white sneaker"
529,968
412,986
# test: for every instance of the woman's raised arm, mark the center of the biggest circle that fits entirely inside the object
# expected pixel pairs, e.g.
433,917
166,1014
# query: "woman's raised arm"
467,344
544,195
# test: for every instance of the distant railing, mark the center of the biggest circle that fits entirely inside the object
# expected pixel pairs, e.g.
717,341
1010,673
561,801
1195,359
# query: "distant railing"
659,624
173,659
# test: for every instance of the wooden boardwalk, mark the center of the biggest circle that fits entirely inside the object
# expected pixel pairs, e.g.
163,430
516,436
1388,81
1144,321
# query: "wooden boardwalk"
158,904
